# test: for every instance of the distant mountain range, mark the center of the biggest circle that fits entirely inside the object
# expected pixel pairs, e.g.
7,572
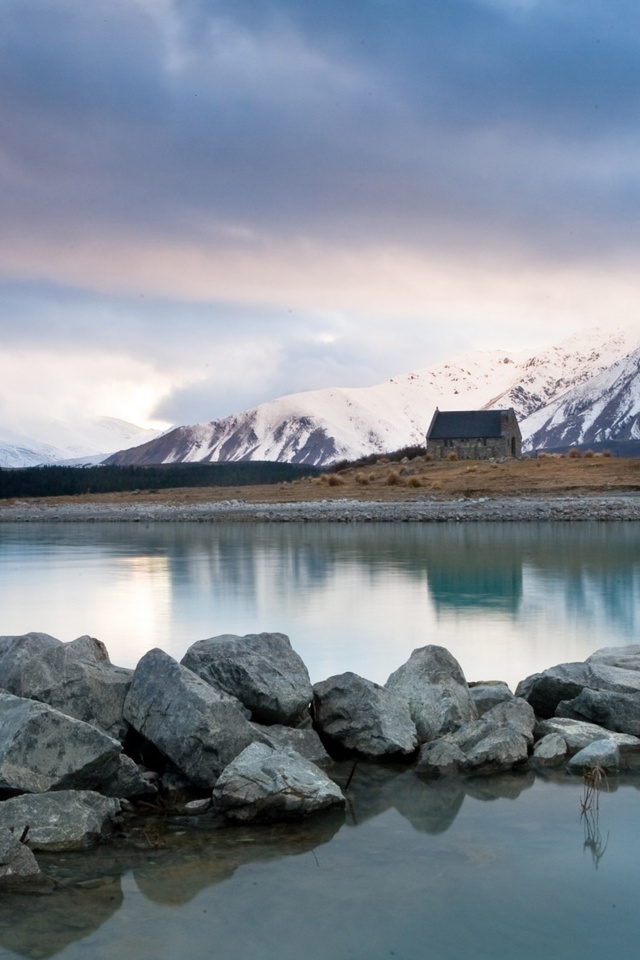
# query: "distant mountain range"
80,441
581,388
585,389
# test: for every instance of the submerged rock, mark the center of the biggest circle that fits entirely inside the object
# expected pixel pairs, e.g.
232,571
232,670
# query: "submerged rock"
260,669
434,687
550,751
195,726
42,749
601,754
268,784
363,718
64,820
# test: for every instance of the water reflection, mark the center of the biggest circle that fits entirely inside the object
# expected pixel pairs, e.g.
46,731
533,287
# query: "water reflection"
506,599
422,852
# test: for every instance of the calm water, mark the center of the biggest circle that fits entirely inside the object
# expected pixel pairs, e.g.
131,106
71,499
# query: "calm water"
494,868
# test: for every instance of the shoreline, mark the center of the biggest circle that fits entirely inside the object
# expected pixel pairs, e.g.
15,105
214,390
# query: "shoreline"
502,509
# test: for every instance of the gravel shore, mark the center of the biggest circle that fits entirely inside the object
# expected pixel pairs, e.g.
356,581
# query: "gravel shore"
622,506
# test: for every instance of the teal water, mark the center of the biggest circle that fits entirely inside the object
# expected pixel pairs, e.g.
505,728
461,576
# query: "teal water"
507,600
490,868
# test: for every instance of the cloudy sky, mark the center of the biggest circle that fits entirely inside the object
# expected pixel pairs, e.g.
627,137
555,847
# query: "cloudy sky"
208,203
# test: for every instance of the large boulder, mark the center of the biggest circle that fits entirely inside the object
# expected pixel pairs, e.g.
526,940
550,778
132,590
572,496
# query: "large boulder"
499,740
615,711
488,694
433,685
42,749
194,725
305,741
260,669
578,734
626,657
267,784
18,866
356,715
544,691
601,755
65,820
75,678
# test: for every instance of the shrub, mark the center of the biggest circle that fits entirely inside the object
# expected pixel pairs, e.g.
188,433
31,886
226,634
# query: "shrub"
452,456
393,478
574,453
335,481
362,479
414,482
589,453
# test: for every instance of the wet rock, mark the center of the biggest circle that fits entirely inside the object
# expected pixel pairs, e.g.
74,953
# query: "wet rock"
261,670
267,784
544,691
489,694
195,726
75,678
615,711
18,866
550,751
358,716
42,749
434,686
306,742
64,820
601,753
130,782
499,740
577,734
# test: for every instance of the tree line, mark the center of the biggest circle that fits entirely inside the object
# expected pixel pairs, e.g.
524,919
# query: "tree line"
59,481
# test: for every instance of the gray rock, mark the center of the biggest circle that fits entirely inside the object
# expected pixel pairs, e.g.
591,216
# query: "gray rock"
601,753
198,728
577,734
306,742
544,691
75,678
550,751
261,670
267,784
18,866
128,782
65,820
42,749
626,657
363,718
615,711
434,686
488,695
499,740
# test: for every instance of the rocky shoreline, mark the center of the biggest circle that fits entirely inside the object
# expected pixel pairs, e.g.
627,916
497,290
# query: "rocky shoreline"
236,733
618,506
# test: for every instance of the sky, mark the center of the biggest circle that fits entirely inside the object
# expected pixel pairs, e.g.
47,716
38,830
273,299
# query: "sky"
205,204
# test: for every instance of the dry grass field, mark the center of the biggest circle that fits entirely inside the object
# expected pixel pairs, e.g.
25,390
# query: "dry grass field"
415,479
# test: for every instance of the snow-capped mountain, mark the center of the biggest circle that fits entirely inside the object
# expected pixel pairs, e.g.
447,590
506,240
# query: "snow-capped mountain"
85,441
325,426
607,407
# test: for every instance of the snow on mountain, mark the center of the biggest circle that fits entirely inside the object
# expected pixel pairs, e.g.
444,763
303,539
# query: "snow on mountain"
607,407
83,441
325,426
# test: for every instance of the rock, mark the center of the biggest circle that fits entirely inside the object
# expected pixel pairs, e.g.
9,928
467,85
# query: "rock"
358,716
65,820
129,782
550,751
626,657
615,711
194,725
261,670
577,734
18,866
306,742
601,753
75,678
487,695
42,749
268,784
434,686
544,691
499,740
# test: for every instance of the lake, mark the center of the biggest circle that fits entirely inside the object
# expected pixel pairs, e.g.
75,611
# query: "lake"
492,868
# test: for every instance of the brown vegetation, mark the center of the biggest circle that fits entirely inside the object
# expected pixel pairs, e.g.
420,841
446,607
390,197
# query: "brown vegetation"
418,478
